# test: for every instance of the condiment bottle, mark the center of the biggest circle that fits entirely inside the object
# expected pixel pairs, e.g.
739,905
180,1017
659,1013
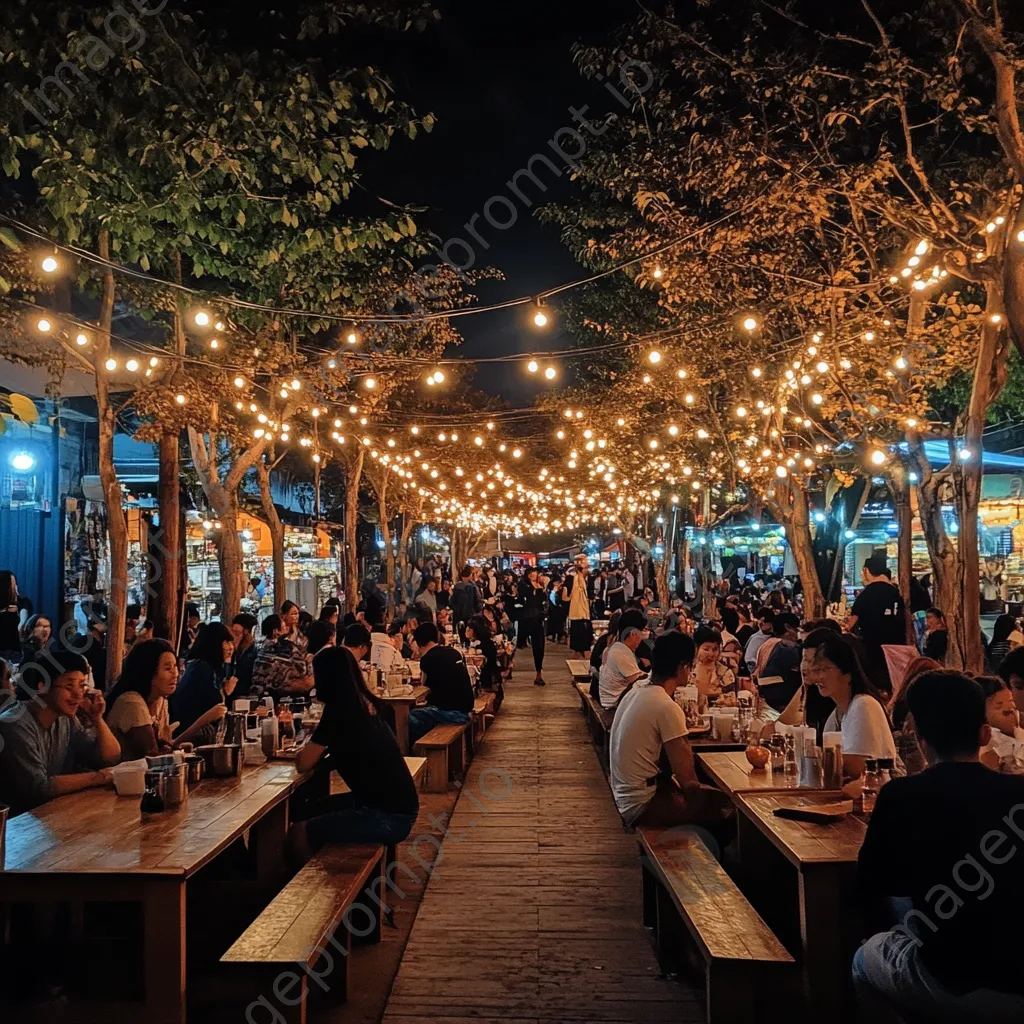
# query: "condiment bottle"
286,721
872,784
790,766
152,798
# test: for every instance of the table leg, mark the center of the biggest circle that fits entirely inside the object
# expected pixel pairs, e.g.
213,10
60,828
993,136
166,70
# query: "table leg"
164,941
269,835
402,726
826,966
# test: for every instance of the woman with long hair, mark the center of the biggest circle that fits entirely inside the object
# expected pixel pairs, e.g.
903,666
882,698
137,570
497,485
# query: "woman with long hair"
137,705
10,616
479,634
907,745
35,635
999,646
830,663
206,684
382,802
290,621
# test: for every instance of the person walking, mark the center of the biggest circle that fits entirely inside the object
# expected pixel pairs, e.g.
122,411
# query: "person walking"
581,630
533,598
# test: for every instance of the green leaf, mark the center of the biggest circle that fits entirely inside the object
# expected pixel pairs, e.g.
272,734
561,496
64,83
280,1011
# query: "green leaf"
10,240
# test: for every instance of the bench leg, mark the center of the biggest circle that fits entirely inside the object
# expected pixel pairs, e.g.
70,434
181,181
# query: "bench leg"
457,760
370,898
650,897
436,780
729,996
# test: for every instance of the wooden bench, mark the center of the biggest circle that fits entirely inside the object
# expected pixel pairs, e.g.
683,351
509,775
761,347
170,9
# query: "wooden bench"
744,963
297,936
599,721
482,707
579,670
444,747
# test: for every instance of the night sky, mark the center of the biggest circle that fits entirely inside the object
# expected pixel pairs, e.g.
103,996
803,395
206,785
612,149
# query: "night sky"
500,78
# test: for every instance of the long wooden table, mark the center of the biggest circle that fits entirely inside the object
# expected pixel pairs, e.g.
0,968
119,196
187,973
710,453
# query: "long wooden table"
401,706
733,774
94,846
824,858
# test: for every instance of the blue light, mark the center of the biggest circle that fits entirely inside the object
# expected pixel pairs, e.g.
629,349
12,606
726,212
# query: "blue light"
849,535
819,517
954,527
755,526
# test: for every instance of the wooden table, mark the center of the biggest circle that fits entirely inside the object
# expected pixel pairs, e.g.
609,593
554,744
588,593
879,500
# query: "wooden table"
579,670
733,774
416,765
94,846
401,706
825,859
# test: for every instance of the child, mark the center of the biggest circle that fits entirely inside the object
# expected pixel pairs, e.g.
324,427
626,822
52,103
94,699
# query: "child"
1005,751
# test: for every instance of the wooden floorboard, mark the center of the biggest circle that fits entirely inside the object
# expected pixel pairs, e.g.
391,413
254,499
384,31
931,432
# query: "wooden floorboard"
533,913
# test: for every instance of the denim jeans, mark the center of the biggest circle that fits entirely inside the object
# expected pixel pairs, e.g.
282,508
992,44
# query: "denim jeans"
337,820
423,719
893,984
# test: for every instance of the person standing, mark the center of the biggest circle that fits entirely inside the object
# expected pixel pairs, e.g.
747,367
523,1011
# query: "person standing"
425,600
878,617
533,599
628,584
10,618
466,601
581,629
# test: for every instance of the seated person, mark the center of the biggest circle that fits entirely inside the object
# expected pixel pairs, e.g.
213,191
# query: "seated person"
199,702
649,729
403,630
385,652
382,802
1005,751
945,841
597,654
620,669
320,634
242,626
281,667
936,636
357,641
137,715
479,636
443,670
45,751
1011,671
779,675
711,675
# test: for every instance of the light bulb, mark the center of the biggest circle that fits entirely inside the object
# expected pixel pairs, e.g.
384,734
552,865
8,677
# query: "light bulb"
296,384
658,273
352,337
822,367
180,399
438,377
654,357
49,264
44,325
202,319
750,324
922,248
82,339
756,372
532,366
111,364
540,318
239,382
550,373
816,399
878,457
132,365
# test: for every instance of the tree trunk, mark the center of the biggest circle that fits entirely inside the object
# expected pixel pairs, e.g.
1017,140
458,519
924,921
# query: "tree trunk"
232,571
385,532
797,518
117,525
276,531
989,379
904,545
408,524
353,477
166,551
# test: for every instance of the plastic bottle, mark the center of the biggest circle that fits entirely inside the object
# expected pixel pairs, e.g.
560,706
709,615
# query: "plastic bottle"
872,784
790,766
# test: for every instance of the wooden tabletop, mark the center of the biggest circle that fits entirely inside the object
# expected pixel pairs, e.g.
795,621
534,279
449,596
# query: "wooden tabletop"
97,832
418,696
804,842
416,766
732,772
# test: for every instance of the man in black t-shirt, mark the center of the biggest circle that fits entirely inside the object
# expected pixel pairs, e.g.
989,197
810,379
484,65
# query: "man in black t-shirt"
946,839
443,670
878,617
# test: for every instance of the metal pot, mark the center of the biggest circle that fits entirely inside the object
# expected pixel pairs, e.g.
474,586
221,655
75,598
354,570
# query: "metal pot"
195,765
222,759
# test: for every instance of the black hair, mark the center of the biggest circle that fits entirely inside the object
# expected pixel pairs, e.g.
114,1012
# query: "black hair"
991,685
54,662
784,621
144,624
1002,628
208,645
730,619
632,618
837,649
357,635
305,621
812,624
396,627
938,613
287,607
255,581
139,667
26,630
340,685
133,611
706,635
949,712
480,626
8,588
245,620
766,615
670,651
1012,665
329,611
877,565
426,633
192,611
269,624
319,635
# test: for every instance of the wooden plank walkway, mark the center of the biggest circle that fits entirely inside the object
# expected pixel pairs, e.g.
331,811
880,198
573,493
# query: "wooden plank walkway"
534,910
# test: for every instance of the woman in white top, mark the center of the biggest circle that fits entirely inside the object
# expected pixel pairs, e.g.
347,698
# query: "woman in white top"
137,704
830,663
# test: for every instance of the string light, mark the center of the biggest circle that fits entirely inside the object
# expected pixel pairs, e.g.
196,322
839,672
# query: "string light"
82,339
750,324
533,366
50,265
44,325
202,319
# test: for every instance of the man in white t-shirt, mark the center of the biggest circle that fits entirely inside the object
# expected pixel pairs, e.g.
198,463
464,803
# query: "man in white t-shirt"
619,668
648,726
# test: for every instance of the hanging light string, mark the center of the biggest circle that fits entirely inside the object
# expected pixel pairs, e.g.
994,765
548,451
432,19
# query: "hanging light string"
372,318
